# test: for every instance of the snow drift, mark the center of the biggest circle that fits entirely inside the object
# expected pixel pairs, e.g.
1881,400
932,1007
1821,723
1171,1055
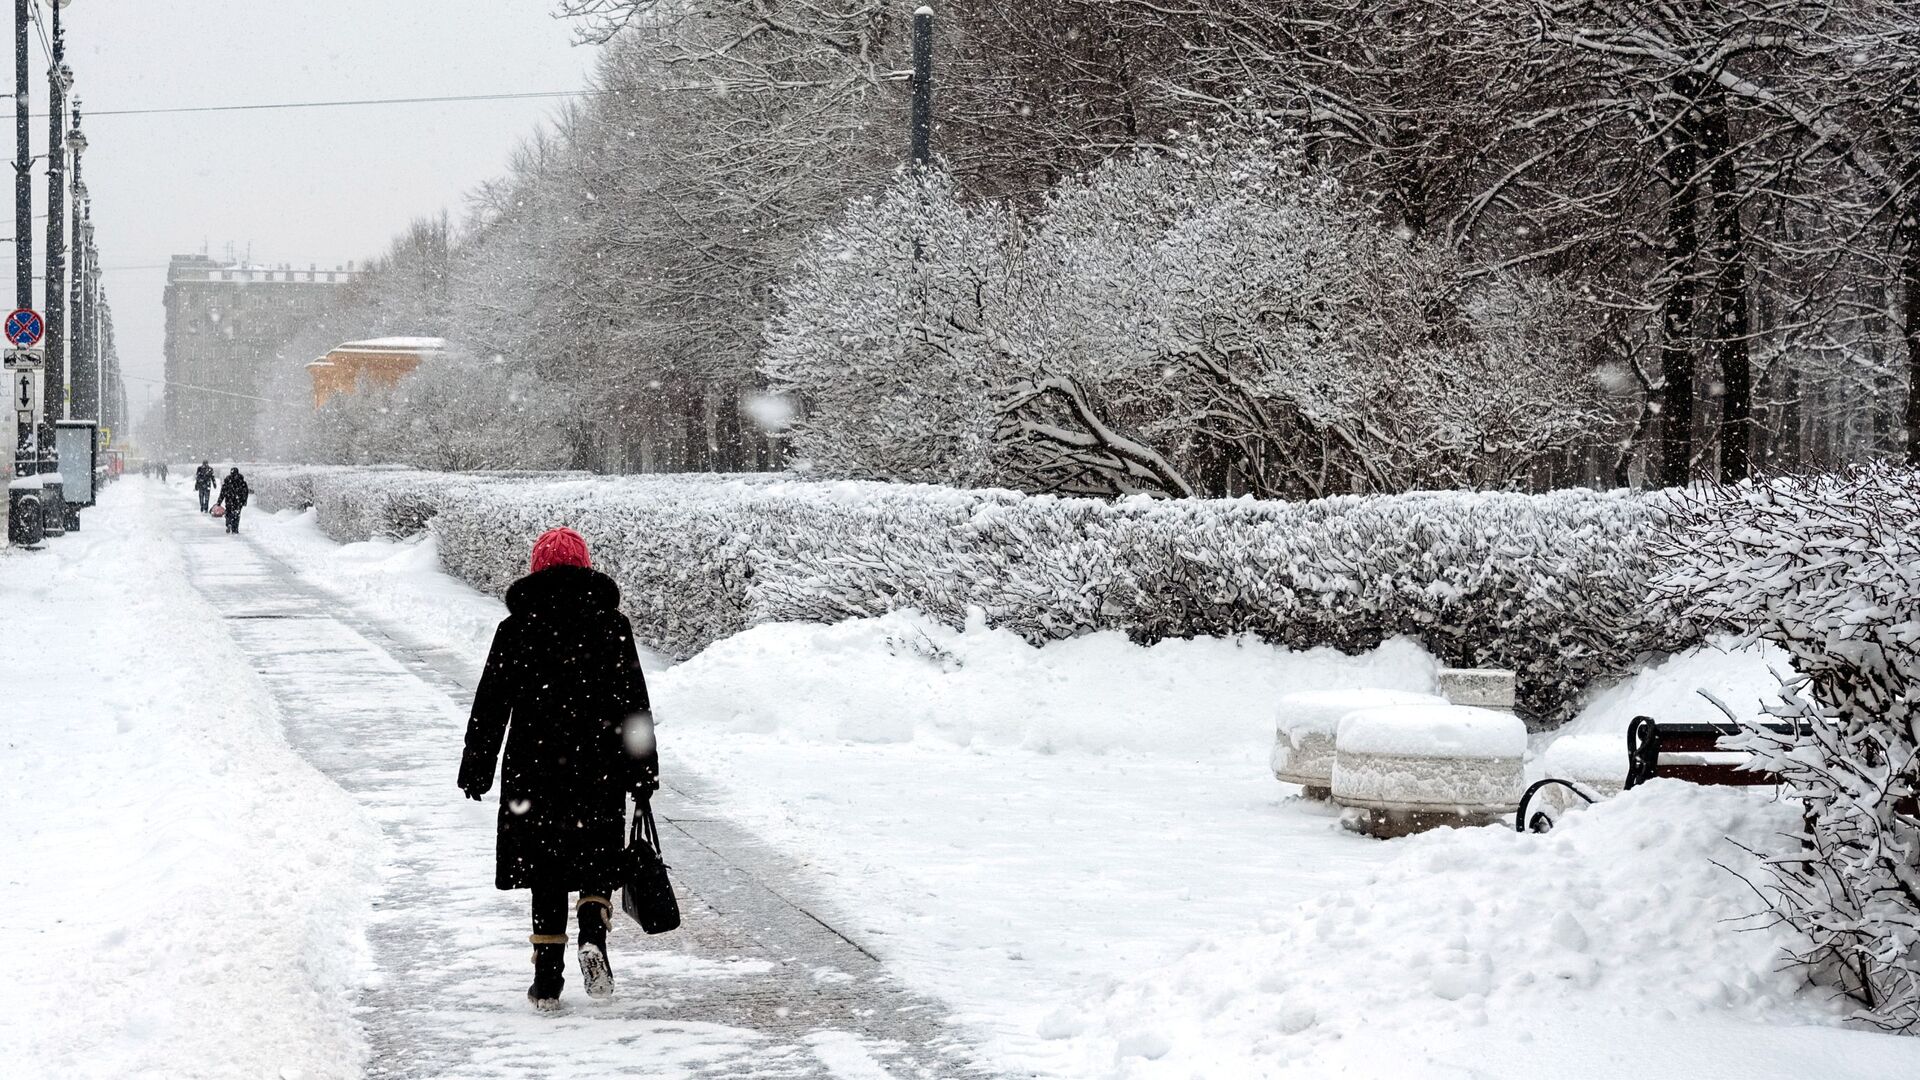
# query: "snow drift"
1628,917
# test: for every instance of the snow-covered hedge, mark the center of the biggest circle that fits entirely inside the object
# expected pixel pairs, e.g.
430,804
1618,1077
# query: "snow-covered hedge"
1551,586
1828,569
355,503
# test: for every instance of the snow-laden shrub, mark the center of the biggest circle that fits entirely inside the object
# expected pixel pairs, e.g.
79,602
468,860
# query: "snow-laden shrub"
1209,317
356,503
382,505
280,488
678,548
883,338
1552,586
1828,568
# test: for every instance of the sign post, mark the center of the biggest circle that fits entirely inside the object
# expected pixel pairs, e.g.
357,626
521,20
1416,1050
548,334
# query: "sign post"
25,368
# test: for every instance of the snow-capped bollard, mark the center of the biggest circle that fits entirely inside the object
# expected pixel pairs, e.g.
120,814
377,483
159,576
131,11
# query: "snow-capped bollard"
1303,731
24,519
1486,688
1409,768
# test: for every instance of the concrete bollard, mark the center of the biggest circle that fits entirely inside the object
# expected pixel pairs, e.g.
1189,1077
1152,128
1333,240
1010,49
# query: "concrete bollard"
1483,688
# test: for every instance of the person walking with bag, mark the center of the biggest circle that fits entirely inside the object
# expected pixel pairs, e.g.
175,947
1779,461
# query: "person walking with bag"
564,691
202,483
234,494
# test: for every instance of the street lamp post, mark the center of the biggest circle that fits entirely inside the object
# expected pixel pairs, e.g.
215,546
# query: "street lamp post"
22,165
86,377
59,81
24,445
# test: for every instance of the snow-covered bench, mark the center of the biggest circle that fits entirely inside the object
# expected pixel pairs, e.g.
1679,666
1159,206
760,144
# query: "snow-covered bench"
1690,752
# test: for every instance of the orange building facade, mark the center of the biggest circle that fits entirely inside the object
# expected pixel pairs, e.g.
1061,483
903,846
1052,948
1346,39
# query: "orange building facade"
381,362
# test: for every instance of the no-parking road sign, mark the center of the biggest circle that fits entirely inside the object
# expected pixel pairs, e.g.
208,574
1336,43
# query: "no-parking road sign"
25,327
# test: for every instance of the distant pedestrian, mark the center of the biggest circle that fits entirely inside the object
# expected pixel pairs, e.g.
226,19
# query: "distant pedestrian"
203,483
563,687
163,472
233,498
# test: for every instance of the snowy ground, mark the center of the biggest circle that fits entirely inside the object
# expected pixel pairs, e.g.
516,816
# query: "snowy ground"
1081,849
1078,847
182,895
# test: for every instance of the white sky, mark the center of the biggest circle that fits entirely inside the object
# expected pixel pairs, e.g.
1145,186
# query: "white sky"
292,186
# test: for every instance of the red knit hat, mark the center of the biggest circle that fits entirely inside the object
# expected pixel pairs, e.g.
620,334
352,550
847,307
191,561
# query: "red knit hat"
560,547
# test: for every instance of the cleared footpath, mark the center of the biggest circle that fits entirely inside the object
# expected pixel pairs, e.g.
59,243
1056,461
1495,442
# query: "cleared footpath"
759,982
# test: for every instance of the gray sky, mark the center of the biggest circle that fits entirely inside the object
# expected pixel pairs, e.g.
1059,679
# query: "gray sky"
293,186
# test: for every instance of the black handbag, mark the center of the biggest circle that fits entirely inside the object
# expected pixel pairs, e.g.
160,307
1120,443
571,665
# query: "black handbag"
645,892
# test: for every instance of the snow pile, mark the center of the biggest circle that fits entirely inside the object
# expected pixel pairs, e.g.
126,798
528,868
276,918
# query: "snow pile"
904,677
1599,758
1682,689
1433,731
1551,586
1619,919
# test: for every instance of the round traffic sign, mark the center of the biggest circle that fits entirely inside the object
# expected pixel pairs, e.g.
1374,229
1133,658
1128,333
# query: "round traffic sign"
24,328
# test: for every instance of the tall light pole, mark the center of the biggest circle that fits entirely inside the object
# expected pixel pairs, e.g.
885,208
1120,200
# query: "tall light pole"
86,377
22,209
22,165
59,81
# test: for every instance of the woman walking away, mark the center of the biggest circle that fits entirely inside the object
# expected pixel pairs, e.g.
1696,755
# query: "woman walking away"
234,493
563,687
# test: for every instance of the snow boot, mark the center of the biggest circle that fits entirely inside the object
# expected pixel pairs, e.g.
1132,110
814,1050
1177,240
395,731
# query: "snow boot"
549,971
595,915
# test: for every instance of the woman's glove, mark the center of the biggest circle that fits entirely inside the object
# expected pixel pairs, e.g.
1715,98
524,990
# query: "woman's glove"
473,780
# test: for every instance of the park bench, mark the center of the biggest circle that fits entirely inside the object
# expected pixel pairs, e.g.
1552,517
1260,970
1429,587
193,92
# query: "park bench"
1690,752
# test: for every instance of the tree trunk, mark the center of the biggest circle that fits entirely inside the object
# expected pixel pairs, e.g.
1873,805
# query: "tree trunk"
732,451
1910,303
1733,322
1676,317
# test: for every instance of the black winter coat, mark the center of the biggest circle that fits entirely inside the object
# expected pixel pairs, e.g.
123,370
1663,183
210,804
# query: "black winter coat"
234,491
203,478
560,684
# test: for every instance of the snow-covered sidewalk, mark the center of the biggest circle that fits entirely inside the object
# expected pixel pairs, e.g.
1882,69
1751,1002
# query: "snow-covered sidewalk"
1080,849
183,896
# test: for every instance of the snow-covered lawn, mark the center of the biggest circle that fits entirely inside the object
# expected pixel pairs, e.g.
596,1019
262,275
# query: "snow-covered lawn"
1081,849
182,896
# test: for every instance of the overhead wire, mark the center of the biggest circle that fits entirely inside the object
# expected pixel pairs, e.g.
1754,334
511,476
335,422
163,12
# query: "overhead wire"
211,390
345,102
520,95
46,43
